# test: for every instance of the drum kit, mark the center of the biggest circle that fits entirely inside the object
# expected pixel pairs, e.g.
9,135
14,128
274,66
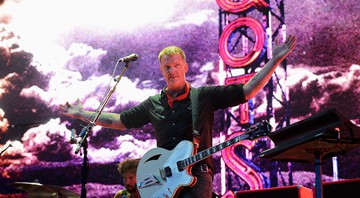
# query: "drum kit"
34,189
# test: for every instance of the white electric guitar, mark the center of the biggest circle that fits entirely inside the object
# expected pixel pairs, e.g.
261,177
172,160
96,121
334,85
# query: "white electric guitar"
162,173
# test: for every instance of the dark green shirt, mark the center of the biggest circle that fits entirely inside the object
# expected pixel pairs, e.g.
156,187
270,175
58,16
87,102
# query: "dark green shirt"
122,194
172,125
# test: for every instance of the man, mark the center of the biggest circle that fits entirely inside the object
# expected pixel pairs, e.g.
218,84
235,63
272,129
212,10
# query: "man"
127,169
170,112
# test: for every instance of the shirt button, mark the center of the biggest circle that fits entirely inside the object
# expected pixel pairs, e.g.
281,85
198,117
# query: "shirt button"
173,124
173,138
173,111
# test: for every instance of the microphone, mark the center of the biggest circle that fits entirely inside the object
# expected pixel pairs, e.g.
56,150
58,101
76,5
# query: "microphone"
131,57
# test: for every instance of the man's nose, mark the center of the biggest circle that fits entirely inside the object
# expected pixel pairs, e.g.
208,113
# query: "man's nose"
170,70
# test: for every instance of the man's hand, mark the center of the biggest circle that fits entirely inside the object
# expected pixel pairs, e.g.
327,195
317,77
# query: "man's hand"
281,51
257,82
73,111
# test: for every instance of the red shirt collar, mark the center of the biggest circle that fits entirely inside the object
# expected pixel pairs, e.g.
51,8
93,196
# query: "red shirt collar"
179,97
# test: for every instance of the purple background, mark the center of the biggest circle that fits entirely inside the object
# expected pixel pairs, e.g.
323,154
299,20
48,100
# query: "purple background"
55,52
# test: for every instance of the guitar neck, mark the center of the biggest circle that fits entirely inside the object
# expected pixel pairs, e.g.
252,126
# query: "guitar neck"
208,152
258,130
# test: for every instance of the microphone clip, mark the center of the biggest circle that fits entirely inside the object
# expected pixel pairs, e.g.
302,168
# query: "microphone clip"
72,140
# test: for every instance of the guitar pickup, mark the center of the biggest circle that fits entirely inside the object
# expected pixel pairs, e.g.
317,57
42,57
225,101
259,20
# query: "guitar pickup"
168,172
180,165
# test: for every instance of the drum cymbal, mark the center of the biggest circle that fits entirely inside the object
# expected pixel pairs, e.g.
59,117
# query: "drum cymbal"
40,190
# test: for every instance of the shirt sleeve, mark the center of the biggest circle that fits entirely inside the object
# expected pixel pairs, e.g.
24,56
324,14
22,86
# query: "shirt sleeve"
136,116
222,97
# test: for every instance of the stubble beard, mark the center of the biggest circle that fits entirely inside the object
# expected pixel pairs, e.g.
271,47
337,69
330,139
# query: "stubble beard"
131,188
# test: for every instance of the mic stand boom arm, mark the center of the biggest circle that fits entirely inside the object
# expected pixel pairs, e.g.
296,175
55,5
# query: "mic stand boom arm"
84,133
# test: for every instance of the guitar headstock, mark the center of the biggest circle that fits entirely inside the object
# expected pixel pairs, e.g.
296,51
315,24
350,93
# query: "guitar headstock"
258,130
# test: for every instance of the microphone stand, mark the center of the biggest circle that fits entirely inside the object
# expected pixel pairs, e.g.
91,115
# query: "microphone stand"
8,146
84,133
1,152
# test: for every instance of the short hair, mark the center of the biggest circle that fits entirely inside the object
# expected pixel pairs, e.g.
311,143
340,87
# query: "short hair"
127,165
171,50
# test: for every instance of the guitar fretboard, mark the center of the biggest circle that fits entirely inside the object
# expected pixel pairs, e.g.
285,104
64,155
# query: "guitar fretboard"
258,130
208,152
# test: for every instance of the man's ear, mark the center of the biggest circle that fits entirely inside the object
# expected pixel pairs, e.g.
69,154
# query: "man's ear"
186,67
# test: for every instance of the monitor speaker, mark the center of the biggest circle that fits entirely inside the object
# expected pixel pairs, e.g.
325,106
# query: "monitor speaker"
343,188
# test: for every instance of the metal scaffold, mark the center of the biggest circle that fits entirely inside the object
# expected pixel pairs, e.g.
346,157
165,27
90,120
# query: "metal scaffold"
247,31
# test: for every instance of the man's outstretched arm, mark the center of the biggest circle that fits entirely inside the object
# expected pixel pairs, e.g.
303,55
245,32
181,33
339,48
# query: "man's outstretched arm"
108,120
280,52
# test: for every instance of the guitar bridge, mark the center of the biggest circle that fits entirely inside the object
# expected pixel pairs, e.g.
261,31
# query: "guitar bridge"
166,172
147,182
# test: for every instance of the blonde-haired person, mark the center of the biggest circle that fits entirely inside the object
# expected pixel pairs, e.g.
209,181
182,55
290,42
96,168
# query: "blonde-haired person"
170,112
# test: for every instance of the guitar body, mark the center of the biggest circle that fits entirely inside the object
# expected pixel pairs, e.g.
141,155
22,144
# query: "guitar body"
155,161
158,174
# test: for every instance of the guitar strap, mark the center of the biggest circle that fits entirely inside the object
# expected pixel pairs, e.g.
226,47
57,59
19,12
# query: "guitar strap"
194,93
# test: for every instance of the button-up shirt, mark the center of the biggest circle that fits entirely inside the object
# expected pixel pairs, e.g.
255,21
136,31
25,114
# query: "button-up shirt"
174,124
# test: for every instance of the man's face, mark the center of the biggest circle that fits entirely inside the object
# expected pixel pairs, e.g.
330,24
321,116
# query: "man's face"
129,179
174,68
